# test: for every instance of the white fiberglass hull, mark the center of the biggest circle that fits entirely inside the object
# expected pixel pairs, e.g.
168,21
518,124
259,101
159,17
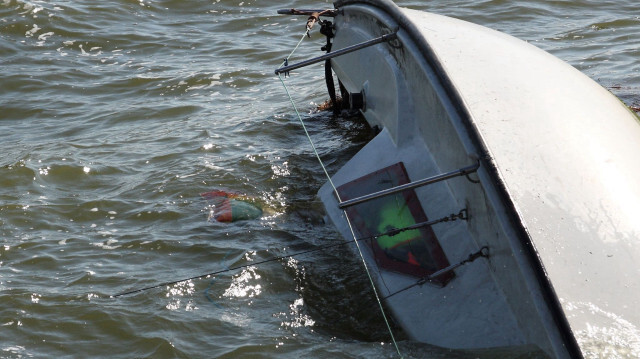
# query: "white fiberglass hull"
555,194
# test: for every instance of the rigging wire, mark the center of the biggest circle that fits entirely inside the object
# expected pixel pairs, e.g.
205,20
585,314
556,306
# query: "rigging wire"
482,253
391,232
364,262
229,269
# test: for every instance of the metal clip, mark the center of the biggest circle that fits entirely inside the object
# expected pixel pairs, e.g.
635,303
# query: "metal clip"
286,63
463,214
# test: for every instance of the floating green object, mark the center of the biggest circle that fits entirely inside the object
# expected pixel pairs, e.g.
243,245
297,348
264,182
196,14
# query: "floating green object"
241,210
227,208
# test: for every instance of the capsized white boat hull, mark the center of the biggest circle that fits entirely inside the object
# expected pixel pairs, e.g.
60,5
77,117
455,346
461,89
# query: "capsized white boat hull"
555,198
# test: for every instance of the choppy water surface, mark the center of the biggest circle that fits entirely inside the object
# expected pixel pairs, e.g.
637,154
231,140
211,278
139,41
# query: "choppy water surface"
116,115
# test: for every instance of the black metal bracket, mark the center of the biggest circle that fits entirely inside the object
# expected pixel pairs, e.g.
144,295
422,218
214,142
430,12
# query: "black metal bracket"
308,12
419,183
346,50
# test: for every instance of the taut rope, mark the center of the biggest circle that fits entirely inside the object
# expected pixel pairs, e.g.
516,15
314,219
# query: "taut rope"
364,262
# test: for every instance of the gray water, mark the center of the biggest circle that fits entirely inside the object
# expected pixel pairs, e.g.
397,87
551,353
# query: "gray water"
116,115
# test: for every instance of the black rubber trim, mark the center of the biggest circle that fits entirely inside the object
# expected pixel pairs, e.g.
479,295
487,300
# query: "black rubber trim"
548,292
